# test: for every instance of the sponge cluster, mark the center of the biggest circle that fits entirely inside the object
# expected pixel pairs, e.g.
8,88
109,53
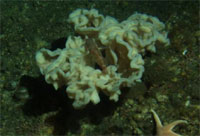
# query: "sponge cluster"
121,47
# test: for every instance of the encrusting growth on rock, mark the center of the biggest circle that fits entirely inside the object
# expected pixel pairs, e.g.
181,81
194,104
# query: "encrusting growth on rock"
165,130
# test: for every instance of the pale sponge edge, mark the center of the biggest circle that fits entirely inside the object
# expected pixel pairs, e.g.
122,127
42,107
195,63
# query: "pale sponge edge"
111,60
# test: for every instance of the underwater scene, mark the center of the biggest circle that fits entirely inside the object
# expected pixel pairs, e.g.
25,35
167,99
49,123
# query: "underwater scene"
99,68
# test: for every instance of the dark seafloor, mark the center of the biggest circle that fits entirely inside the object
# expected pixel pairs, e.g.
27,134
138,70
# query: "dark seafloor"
31,107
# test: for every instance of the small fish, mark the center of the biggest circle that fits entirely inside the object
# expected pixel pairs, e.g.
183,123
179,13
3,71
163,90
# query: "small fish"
93,49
